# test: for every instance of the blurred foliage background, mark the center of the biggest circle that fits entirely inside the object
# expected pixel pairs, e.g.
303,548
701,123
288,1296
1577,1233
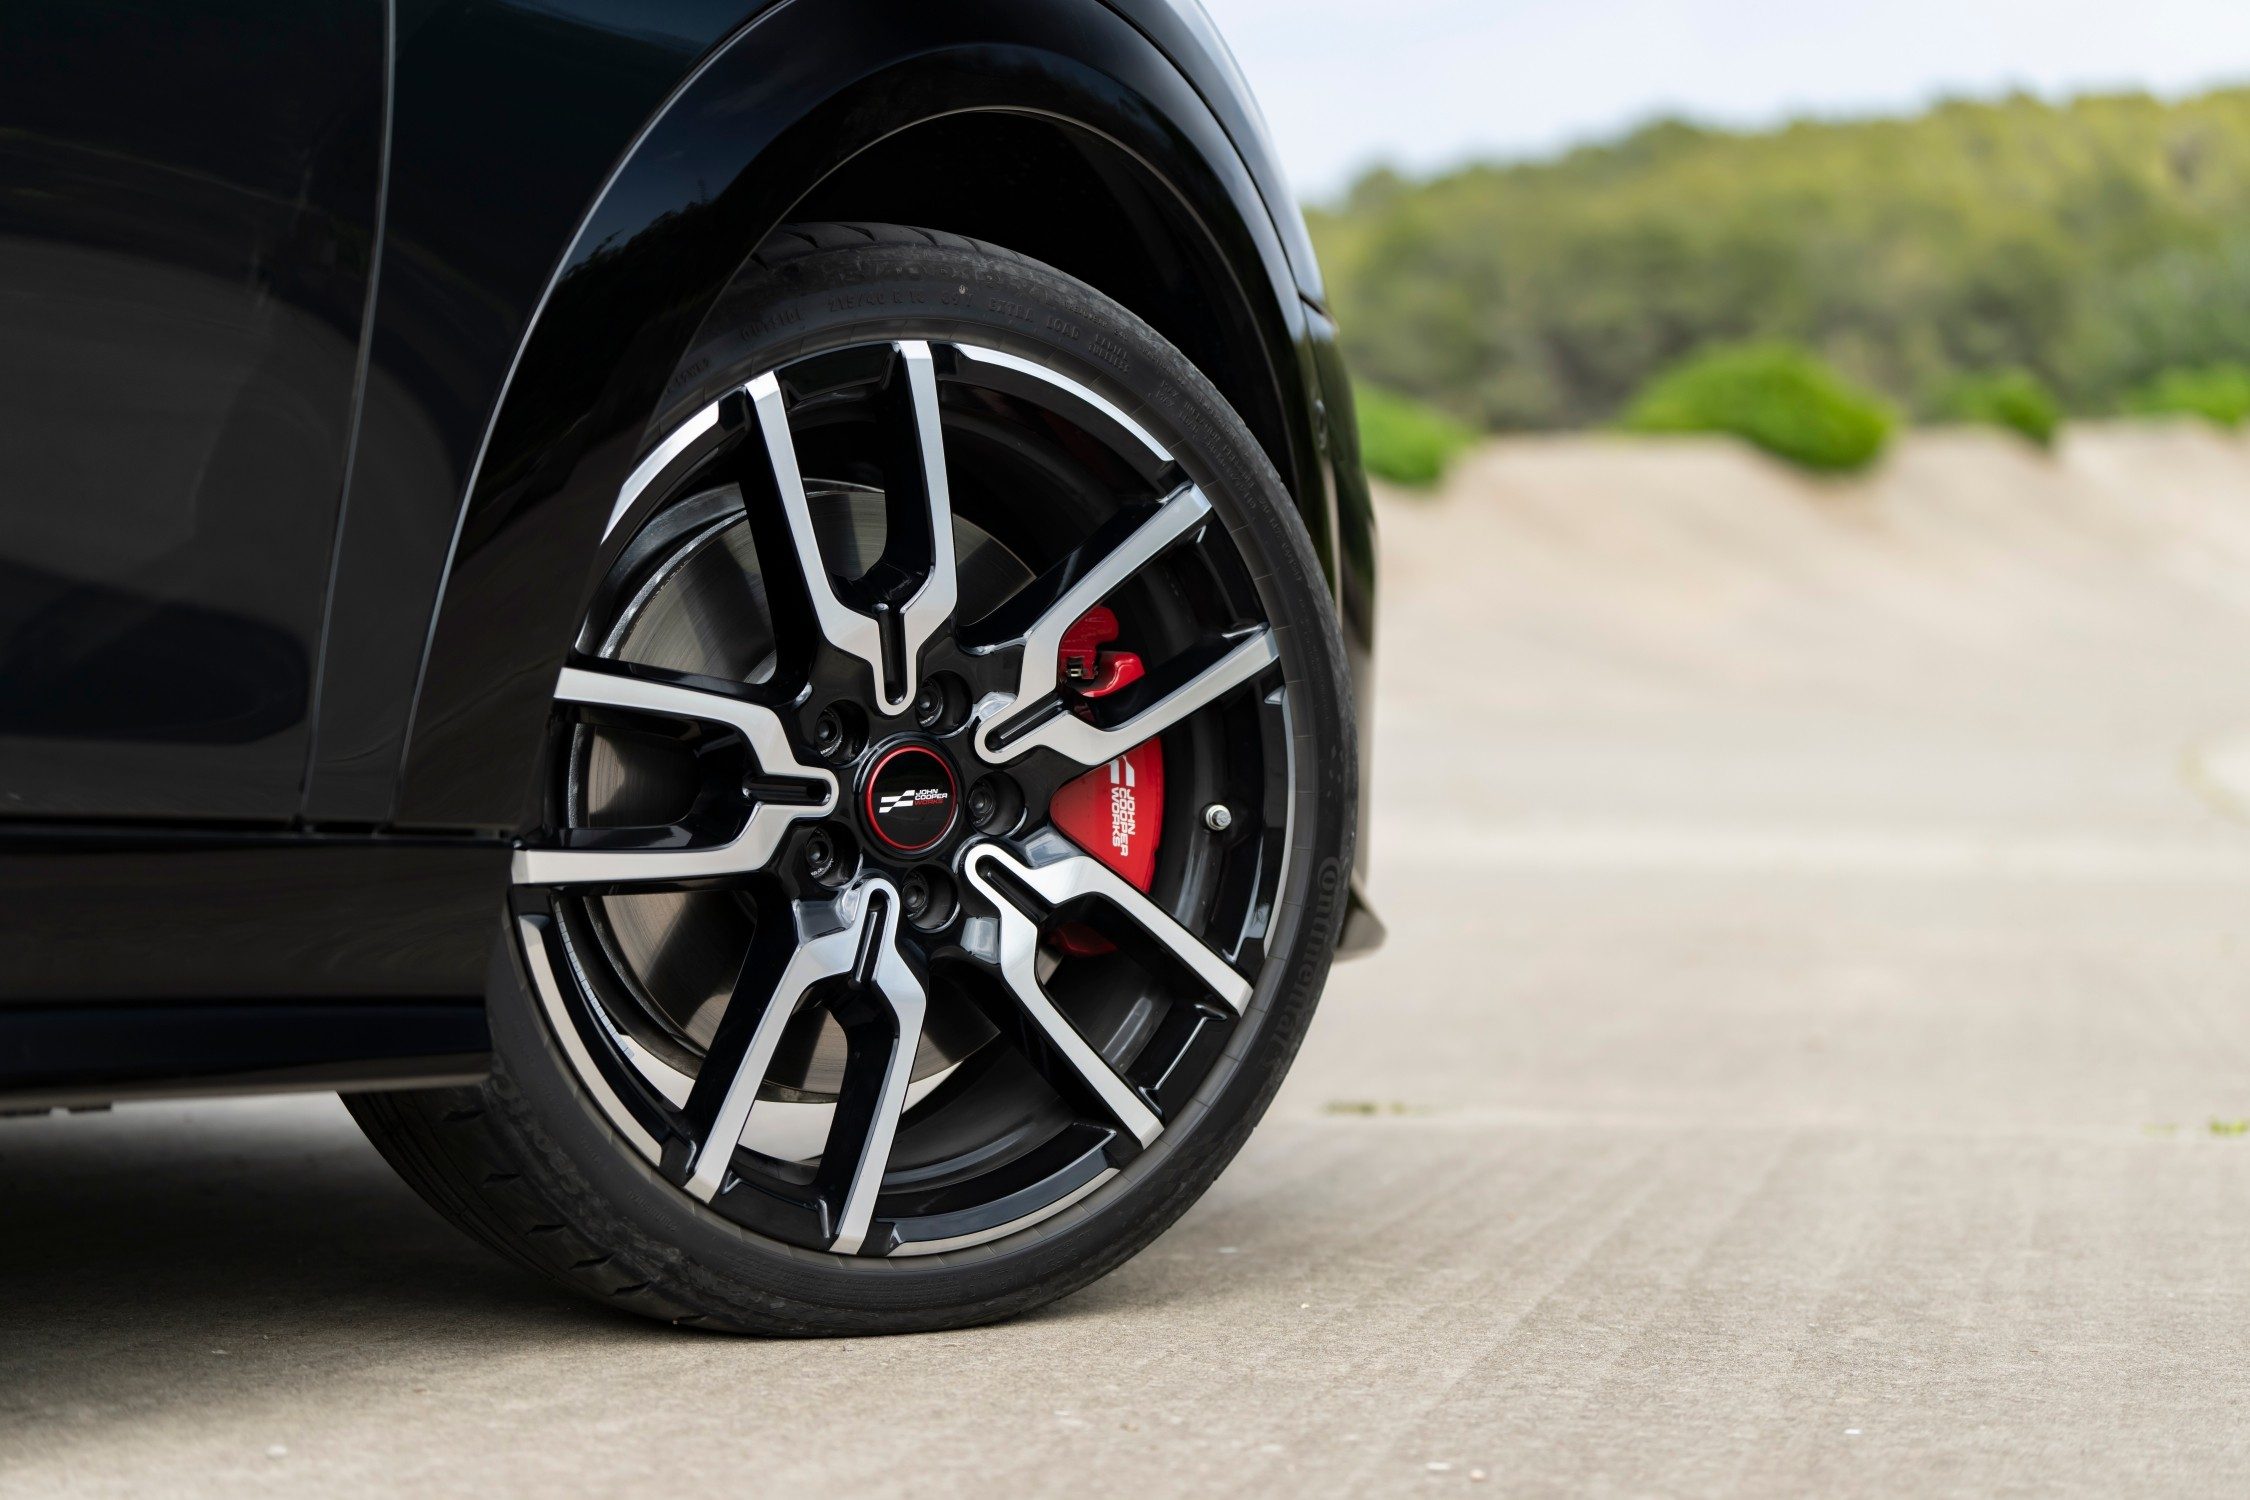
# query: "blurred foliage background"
2006,262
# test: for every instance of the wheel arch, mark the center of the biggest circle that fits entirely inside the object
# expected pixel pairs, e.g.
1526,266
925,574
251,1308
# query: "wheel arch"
1049,188
840,110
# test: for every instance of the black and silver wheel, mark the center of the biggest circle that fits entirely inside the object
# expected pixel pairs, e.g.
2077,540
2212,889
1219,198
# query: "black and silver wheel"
945,820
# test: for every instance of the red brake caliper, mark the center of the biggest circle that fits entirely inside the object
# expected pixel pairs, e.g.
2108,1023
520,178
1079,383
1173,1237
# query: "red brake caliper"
1114,812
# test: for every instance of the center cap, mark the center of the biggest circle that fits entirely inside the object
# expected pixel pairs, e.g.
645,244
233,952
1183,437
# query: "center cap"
911,799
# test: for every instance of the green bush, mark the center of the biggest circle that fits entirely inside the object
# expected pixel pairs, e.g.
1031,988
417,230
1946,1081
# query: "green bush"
1777,397
2217,393
2015,399
1404,441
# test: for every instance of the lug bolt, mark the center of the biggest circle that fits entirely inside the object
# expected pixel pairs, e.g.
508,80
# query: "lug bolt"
1218,817
994,804
839,733
928,898
939,701
820,855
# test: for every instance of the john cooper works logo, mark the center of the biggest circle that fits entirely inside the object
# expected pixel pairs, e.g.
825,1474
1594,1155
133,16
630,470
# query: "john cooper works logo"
1123,809
910,799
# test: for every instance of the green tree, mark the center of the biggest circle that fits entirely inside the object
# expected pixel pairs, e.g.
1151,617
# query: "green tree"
2091,245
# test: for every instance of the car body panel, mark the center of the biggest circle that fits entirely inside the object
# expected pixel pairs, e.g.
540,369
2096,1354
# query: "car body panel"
188,197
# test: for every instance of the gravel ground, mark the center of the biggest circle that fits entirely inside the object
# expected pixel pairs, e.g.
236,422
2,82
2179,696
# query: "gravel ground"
1810,1058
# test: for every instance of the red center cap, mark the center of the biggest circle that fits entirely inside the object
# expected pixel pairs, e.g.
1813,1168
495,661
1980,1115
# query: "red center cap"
911,797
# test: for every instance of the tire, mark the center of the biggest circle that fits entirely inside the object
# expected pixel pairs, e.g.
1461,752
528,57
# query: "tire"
561,1162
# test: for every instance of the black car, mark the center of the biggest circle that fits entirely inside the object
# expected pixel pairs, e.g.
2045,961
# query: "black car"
746,622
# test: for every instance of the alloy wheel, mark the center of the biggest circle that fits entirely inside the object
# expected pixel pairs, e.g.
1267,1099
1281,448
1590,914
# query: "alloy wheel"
920,792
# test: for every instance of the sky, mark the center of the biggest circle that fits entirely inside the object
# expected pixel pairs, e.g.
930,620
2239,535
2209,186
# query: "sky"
1426,84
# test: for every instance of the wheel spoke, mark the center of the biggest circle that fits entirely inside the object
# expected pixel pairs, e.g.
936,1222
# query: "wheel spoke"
756,1016
846,629
864,950
1035,715
659,461
1017,960
817,957
1174,697
930,607
912,601
1051,383
874,1093
628,857
1074,877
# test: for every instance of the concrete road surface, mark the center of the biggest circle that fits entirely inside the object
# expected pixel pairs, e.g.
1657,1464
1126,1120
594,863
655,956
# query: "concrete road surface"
1811,1059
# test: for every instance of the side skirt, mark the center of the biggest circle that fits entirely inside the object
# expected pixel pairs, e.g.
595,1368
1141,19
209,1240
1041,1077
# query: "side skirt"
153,962
56,1056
